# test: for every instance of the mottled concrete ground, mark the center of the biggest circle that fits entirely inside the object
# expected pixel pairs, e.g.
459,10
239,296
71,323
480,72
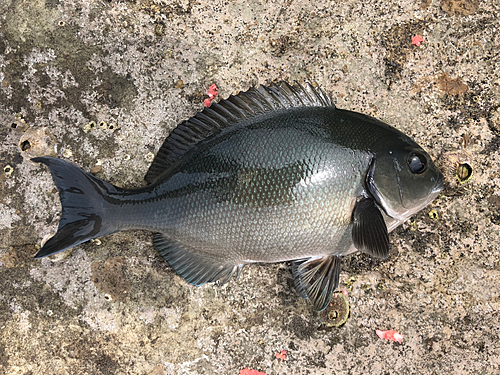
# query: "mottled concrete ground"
136,69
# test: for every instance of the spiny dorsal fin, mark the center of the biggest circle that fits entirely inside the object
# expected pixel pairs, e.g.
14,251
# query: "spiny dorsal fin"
236,108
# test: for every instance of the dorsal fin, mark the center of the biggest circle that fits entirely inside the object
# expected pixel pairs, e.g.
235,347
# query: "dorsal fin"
243,106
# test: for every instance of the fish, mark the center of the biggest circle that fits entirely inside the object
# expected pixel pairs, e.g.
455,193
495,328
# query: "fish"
274,174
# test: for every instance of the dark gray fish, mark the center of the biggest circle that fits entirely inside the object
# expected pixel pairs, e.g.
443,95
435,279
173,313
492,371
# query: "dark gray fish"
270,175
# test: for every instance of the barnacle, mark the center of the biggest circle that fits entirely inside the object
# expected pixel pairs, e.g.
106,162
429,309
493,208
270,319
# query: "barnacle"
464,172
351,282
8,170
433,214
37,142
112,127
103,125
67,153
456,166
160,29
337,311
381,284
19,125
90,126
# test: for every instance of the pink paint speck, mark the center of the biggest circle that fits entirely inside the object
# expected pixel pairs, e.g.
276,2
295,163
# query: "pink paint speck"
281,355
416,40
212,93
247,371
390,335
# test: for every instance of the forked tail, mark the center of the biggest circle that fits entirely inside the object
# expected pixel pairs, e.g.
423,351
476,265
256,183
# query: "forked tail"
85,205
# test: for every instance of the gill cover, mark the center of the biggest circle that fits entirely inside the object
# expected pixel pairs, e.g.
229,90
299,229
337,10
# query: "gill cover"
403,180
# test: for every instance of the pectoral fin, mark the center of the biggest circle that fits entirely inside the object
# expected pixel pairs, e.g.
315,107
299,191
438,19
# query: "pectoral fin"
317,279
194,267
369,231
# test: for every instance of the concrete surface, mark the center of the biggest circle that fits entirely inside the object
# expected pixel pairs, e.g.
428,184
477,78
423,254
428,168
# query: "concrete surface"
140,67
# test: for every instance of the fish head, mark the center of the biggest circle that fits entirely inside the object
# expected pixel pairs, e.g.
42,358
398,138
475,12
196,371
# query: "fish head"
403,179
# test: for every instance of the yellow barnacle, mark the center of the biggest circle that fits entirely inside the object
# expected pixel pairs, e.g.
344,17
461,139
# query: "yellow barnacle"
90,126
433,214
337,311
112,127
351,282
103,125
464,172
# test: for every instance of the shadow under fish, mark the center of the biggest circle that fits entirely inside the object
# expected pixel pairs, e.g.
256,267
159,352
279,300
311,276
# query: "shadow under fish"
272,174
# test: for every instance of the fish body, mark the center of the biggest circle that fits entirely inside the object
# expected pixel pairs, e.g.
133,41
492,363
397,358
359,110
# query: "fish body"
273,174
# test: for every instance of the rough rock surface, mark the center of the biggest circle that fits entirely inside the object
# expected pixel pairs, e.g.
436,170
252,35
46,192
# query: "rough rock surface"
101,83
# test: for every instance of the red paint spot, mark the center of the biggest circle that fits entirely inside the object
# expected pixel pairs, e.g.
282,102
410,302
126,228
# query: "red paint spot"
390,335
247,371
281,355
212,93
416,40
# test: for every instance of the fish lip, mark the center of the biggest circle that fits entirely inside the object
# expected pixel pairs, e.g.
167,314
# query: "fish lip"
439,185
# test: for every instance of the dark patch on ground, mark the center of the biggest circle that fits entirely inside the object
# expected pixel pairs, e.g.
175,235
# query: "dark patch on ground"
397,42
161,291
472,105
18,256
116,91
302,328
451,86
358,262
169,10
424,4
110,279
494,206
281,45
494,119
4,357
52,4
460,7
196,97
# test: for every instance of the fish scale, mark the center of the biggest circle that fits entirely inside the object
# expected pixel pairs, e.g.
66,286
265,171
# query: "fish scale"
273,174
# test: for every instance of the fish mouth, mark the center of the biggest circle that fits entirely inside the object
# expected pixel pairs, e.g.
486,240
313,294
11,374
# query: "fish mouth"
439,185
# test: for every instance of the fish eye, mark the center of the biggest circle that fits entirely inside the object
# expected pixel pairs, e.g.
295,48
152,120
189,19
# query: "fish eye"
417,162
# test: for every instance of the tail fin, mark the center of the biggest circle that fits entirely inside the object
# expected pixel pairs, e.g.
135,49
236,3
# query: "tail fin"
83,200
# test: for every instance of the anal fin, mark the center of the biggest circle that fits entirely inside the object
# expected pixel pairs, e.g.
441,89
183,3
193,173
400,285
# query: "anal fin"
194,267
317,279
